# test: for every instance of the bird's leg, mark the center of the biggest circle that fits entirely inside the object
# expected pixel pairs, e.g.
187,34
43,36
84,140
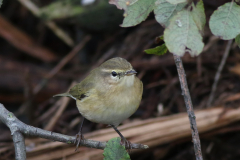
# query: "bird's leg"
79,136
124,141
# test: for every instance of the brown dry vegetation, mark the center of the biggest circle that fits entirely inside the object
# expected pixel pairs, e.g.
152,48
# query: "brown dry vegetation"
35,64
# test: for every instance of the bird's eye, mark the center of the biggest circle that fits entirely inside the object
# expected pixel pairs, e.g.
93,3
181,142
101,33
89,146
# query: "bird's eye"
114,74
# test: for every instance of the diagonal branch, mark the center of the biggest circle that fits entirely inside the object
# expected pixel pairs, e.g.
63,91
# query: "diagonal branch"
18,129
189,106
58,31
218,74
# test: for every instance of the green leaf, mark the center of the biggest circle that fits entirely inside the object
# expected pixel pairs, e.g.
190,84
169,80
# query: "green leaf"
176,1
137,12
164,11
159,50
199,16
237,40
122,4
182,35
225,21
1,2
115,151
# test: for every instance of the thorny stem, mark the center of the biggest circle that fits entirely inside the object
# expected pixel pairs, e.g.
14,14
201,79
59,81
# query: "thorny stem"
189,106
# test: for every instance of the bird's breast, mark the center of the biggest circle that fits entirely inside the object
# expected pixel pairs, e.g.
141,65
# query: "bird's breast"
113,106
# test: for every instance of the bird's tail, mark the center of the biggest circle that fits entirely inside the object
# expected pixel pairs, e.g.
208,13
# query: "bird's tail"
63,95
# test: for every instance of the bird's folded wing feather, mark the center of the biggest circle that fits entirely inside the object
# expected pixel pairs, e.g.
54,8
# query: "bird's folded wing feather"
82,89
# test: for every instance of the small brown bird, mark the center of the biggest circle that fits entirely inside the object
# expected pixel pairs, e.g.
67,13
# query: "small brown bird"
109,94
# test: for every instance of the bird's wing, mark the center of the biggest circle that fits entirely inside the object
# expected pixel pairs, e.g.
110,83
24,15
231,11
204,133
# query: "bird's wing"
83,89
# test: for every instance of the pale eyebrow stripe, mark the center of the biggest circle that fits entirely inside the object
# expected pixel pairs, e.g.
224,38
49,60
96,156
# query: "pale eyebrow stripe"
106,70
110,70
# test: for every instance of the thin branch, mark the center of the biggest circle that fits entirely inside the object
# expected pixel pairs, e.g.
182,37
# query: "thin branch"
218,74
58,31
212,41
189,106
18,139
16,126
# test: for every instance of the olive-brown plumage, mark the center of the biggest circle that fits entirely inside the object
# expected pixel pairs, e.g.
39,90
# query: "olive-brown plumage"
109,94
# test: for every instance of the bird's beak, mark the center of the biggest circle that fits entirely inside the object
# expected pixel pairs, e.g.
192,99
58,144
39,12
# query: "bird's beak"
131,72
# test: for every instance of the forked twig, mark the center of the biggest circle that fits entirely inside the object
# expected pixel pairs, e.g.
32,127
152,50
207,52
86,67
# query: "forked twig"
18,129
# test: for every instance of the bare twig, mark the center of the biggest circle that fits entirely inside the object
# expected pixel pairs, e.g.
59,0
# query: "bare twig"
212,41
218,74
189,106
18,139
18,128
58,31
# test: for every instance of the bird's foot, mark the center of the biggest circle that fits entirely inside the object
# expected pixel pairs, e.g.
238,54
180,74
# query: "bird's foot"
78,139
127,144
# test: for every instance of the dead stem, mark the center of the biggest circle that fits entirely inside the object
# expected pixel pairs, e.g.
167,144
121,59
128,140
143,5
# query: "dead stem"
189,106
218,74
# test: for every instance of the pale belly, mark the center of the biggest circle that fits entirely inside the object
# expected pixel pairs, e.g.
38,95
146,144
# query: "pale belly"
113,112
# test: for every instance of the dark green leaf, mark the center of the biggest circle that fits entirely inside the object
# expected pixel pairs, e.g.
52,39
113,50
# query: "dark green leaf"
159,50
115,151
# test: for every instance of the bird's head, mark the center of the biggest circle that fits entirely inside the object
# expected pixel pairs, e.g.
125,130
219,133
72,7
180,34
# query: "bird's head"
117,71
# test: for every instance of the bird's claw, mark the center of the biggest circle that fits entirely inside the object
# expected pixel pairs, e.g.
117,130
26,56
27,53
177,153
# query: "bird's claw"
127,144
78,139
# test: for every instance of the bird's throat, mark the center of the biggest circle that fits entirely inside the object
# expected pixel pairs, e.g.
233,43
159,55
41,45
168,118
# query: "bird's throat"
129,80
